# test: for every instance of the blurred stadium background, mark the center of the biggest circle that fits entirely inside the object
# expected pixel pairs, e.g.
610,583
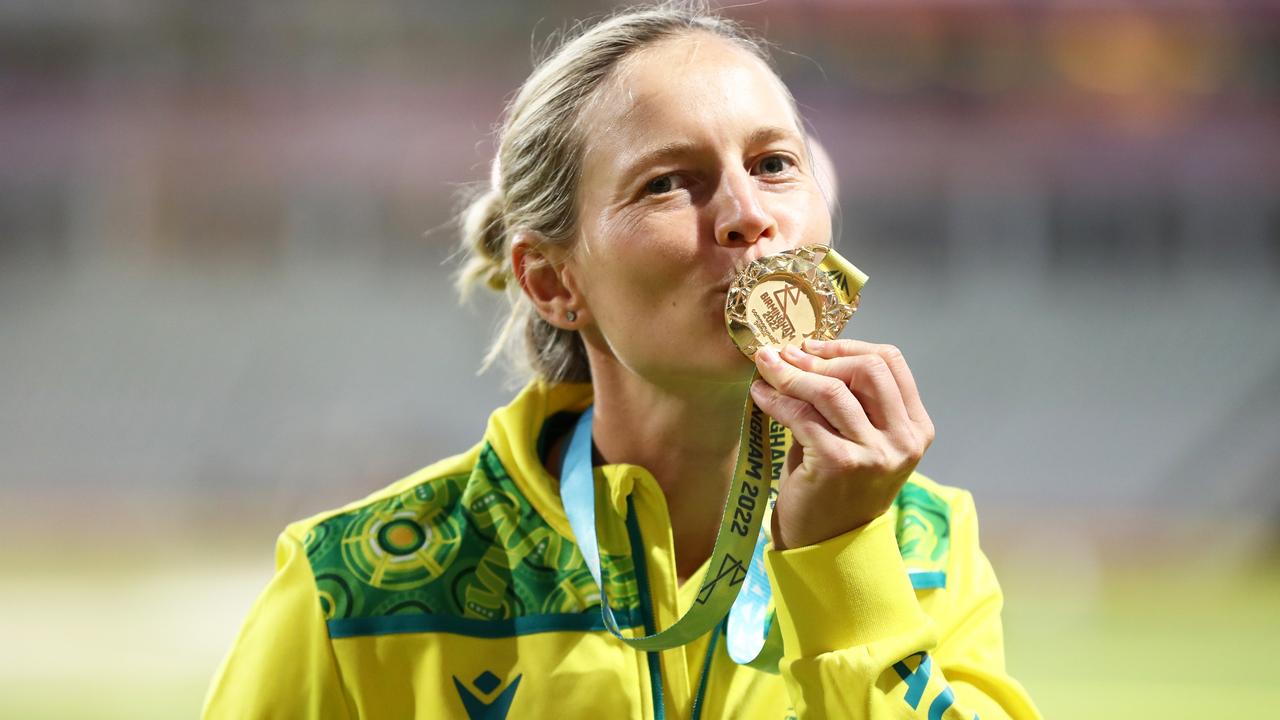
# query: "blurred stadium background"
225,305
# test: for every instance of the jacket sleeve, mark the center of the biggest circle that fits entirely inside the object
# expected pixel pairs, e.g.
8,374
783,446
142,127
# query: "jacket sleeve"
282,664
858,644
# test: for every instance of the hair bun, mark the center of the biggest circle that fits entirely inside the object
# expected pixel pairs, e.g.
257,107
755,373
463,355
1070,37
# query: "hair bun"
484,235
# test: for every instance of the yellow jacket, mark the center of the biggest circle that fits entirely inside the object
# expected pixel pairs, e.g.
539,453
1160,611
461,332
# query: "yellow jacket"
458,592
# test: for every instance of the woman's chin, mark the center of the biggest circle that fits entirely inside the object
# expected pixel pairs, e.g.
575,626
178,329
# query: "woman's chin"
722,364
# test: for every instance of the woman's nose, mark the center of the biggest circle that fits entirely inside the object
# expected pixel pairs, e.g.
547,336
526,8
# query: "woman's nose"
740,216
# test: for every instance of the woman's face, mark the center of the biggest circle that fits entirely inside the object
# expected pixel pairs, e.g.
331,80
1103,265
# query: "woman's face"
694,166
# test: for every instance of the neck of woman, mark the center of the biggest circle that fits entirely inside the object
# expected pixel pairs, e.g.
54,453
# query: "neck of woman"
685,434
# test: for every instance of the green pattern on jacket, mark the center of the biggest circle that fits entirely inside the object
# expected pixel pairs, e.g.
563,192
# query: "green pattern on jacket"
471,546
468,546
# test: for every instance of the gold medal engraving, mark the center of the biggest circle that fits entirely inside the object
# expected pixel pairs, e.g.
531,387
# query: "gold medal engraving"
782,310
784,299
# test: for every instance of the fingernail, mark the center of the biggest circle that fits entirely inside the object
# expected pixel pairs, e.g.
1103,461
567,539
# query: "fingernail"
792,352
814,344
759,388
768,355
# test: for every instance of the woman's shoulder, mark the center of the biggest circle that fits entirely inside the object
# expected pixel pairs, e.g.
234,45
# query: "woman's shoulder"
506,462
463,541
436,476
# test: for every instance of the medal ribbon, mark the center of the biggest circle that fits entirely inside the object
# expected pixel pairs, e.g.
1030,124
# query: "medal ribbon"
737,558
739,542
845,277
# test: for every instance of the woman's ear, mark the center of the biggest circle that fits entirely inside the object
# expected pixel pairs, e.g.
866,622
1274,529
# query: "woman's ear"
546,283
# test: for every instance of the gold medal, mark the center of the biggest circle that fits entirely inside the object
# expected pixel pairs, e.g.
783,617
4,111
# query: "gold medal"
784,299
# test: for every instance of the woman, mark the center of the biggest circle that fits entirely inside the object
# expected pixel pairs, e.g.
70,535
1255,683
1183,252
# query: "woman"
639,168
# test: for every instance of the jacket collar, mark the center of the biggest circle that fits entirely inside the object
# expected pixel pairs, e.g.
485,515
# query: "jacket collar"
513,434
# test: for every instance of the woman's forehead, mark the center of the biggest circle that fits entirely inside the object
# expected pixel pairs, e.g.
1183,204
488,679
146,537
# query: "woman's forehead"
689,90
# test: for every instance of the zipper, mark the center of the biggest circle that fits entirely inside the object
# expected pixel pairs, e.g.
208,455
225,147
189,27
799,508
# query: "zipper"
706,672
646,608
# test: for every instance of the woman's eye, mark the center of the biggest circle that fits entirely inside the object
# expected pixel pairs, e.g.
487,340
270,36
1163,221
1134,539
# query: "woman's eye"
774,164
663,184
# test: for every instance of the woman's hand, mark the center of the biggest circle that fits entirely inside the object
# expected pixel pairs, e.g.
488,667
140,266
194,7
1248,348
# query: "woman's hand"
858,430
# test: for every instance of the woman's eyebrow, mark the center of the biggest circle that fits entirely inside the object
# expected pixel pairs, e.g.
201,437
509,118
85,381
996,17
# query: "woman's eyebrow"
772,133
665,151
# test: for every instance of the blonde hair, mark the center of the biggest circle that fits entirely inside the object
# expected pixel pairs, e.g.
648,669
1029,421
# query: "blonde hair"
533,184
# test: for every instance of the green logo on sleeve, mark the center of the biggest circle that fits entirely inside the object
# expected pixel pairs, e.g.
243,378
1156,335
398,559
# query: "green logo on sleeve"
924,535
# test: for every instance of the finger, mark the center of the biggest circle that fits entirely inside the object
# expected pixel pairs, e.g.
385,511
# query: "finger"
837,348
892,356
831,397
807,425
868,376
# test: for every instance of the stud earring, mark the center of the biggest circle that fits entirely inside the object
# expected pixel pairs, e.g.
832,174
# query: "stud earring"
571,316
